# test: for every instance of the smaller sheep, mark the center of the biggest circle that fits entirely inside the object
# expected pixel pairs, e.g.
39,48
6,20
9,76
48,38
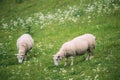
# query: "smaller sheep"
24,44
77,46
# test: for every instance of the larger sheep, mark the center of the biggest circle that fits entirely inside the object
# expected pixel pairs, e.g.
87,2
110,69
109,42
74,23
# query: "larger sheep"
77,46
24,44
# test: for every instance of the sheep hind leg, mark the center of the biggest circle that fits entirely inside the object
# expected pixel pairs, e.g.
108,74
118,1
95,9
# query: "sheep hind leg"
90,54
66,60
91,57
88,57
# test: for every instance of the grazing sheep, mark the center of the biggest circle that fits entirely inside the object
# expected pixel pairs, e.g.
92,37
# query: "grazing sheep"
77,46
24,44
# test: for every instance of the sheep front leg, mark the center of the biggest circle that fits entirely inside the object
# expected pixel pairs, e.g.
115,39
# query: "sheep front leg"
90,54
88,57
25,57
66,60
72,60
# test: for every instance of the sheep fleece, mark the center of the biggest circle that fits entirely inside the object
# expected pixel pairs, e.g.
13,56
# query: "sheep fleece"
78,45
25,42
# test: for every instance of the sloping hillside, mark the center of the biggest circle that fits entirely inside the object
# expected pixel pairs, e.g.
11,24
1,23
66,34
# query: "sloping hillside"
52,23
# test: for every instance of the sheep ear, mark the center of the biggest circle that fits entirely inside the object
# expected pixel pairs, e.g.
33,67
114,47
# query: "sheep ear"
58,56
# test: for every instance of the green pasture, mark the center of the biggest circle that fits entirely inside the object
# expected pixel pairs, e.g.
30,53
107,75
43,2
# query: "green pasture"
52,23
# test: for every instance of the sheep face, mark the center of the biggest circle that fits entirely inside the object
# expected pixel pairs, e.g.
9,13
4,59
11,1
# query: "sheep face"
56,59
20,58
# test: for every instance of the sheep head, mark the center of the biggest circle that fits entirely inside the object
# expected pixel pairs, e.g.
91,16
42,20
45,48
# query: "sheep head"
56,59
20,58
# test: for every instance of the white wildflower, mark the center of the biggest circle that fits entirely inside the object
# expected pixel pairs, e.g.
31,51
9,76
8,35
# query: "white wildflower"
44,53
90,8
97,69
48,78
89,17
82,74
74,20
66,14
15,23
29,20
42,17
5,25
13,72
88,78
59,11
61,20
104,69
41,27
116,7
72,69
27,74
45,69
1,44
54,70
99,8
70,78
50,46
70,8
99,64
63,70
21,20
96,76
50,16
89,21
9,36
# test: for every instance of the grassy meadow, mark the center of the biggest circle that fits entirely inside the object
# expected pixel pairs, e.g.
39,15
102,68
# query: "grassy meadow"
52,23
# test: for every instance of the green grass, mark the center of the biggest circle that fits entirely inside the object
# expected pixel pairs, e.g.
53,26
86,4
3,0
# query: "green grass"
52,33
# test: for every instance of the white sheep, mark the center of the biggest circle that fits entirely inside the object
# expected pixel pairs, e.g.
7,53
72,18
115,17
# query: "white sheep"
24,44
77,46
